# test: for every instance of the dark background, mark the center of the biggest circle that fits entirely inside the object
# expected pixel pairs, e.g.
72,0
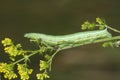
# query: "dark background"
90,62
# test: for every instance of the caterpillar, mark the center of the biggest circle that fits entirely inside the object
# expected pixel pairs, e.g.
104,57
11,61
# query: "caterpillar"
70,40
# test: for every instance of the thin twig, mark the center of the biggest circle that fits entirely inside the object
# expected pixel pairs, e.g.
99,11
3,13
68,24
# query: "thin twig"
33,53
113,29
51,59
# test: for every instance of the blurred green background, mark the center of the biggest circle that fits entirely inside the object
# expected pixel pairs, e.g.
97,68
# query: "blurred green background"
90,62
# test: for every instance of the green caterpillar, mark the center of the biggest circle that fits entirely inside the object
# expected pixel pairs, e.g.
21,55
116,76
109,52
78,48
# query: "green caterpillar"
70,40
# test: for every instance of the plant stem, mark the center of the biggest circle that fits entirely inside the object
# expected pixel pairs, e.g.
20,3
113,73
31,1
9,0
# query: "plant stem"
96,41
50,60
32,53
113,29
107,39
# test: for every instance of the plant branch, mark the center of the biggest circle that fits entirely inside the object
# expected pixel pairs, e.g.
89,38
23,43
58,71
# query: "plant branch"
32,53
50,60
113,29
107,39
96,41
